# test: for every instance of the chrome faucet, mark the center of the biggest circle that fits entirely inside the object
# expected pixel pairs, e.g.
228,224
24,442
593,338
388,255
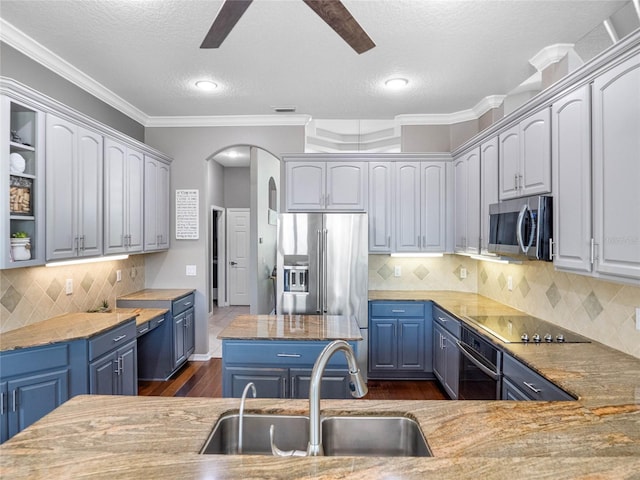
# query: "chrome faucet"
357,385
248,386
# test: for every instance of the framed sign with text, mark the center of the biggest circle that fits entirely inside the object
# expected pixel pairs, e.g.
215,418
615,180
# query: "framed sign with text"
187,227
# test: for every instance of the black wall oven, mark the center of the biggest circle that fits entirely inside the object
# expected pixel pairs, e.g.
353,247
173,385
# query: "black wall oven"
480,376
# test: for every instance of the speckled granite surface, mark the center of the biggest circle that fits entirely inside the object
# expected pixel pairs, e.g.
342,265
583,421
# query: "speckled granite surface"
73,326
157,294
596,437
292,327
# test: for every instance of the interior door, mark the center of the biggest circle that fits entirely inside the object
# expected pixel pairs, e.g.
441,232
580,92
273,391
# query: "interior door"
238,248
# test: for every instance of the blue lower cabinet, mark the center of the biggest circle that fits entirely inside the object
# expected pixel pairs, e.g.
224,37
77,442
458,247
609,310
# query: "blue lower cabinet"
34,382
400,345
281,369
269,382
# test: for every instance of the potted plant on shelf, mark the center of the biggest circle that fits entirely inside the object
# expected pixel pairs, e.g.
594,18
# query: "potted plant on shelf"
20,246
102,308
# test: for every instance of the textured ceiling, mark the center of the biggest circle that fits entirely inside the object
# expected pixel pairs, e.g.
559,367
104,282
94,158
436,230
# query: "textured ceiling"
454,53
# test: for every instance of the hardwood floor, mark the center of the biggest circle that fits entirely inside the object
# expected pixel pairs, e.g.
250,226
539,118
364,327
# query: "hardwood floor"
204,379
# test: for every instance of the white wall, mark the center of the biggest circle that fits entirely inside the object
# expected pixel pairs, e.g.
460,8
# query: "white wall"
190,148
263,167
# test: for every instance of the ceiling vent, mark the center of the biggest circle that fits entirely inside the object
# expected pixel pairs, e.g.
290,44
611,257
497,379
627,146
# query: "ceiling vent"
284,109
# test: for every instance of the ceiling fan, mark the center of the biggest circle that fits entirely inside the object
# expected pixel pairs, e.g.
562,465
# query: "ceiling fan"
333,12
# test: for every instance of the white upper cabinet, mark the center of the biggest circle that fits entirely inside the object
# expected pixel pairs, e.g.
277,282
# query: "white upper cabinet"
380,206
73,190
616,169
571,160
420,206
124,198
525,157
326,186
488,187
156,204
467,202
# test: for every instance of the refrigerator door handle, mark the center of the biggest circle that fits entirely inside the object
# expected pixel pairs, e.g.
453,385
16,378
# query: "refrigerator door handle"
318,271
325,242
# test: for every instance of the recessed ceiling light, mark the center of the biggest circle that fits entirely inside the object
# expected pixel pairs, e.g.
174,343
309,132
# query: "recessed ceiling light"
206,85
396,83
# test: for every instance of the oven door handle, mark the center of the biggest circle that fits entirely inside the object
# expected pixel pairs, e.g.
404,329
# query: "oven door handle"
467,353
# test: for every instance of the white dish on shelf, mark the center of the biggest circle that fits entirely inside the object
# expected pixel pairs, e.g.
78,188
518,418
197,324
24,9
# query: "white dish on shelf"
17,163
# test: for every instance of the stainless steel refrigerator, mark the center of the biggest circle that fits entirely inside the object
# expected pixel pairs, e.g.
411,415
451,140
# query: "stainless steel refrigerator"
323,267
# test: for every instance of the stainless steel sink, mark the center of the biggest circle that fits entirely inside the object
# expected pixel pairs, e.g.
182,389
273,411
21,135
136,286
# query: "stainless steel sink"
291,433
341,436
373,437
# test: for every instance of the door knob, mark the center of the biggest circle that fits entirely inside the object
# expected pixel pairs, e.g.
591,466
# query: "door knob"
233,263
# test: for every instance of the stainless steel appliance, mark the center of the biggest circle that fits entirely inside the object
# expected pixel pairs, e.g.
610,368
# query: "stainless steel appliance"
480,374
323,267
522,227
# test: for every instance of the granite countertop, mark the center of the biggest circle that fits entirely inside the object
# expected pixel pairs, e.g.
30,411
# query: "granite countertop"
158,294
292,327
597,436
73,326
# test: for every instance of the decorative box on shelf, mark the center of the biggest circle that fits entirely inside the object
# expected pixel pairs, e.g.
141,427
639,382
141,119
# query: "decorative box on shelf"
20,196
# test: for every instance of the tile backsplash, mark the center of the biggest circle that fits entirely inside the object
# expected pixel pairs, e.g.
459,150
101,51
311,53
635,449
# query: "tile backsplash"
601,310
30,295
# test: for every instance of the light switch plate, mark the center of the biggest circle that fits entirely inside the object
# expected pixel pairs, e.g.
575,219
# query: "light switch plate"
118,275
191,271
637,318
397,271
463,272
68,286
510,282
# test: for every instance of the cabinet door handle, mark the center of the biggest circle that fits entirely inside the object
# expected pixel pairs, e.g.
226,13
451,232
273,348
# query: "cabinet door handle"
532,387
442,319
161,321
1,403
521,182
551,254
144,330
418,240
187,304
288,355
389,241
397,311
15,401
118,338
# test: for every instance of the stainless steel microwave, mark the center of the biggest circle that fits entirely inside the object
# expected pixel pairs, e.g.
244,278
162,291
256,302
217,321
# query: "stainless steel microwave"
522,227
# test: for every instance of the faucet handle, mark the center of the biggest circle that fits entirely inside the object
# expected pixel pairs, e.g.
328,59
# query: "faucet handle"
283,453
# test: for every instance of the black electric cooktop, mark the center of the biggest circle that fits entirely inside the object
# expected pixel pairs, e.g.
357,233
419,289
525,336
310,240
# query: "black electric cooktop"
525,329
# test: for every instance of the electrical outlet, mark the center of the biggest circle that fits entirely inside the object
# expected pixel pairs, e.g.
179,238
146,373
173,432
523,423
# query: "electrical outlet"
463,273
637,318
68,286
510,283
118,275
191,271
397,271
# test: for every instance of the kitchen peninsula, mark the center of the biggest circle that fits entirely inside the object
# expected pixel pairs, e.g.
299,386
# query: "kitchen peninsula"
277,353
597,436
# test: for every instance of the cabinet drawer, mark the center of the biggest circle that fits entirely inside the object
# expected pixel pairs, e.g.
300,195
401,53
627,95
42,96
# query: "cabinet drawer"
447,321
114,338
182,304
393,310
143,328
532,384
277,353
27,360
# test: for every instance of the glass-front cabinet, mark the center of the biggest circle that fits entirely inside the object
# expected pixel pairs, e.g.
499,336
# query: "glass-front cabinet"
21,185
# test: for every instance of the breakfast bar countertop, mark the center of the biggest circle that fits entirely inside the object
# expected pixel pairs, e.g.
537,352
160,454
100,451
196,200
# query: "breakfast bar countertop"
292,327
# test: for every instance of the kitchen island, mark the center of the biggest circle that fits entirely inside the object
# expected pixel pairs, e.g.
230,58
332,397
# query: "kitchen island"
277,353
597,436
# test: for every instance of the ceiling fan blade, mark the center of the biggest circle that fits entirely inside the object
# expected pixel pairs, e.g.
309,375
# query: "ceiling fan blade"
336,15
227,17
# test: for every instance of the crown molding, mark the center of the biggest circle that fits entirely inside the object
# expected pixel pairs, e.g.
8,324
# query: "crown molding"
482,107
39,53
550,55
229,121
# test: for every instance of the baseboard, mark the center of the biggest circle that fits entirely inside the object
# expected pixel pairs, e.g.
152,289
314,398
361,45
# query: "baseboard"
200,357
